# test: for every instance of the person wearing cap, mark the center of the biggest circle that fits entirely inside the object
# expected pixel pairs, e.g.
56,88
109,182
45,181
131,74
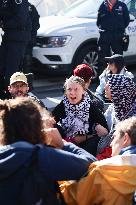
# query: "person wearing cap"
112,20
115,66
85,72
19,87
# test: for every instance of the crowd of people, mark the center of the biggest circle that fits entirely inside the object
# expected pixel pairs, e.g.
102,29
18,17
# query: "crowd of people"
80,153
73,148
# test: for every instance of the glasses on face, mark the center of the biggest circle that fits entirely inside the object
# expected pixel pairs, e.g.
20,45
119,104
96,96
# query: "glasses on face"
23,85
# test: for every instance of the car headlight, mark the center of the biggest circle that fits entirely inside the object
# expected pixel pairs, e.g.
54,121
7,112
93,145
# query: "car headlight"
53,41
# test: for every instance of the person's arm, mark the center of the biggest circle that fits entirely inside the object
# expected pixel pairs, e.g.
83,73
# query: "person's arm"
71,163
98,117
35,23
109,115
59,111
126,15
99,17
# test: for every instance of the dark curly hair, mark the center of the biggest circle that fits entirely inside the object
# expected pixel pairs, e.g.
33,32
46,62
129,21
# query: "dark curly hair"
20,120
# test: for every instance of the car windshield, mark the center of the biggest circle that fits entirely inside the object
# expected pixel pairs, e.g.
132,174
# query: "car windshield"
82,8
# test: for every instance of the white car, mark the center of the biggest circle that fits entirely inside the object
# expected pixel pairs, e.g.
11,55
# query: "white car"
70,37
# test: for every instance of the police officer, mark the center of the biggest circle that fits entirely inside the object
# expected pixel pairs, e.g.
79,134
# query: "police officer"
16,24
113,18
27,61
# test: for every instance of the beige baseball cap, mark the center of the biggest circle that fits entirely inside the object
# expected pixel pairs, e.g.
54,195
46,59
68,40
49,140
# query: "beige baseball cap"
18,77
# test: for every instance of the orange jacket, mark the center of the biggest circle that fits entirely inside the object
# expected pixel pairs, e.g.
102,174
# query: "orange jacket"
110,181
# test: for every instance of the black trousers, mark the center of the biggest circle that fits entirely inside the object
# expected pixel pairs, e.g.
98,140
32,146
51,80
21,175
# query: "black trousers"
11,55
90,145
108,43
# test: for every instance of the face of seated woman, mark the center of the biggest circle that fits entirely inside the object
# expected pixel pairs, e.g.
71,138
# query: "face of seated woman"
74,92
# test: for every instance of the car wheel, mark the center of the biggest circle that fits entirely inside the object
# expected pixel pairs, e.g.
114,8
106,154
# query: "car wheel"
89,55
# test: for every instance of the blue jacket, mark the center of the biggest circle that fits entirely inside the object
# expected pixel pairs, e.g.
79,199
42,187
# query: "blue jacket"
53,164
116,20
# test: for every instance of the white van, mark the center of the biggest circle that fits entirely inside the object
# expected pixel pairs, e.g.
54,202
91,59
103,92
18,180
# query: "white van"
70,37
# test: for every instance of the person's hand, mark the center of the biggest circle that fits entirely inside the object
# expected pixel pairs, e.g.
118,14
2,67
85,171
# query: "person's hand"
49,122
53,138
79,138
100,130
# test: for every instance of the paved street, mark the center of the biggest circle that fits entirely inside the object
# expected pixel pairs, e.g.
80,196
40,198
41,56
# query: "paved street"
49,90
48,86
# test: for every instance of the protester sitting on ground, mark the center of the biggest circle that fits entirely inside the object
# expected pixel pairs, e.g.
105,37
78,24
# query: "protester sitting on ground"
110,181
81,122
115,66
29,169
86,72
19,87
121,90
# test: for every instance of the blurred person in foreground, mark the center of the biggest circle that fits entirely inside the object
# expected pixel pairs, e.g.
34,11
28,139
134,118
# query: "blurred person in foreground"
86,72
109,181
33,156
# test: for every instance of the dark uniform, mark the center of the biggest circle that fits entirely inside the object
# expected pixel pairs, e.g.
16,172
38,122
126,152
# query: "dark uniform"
16,25
27,61
111,23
